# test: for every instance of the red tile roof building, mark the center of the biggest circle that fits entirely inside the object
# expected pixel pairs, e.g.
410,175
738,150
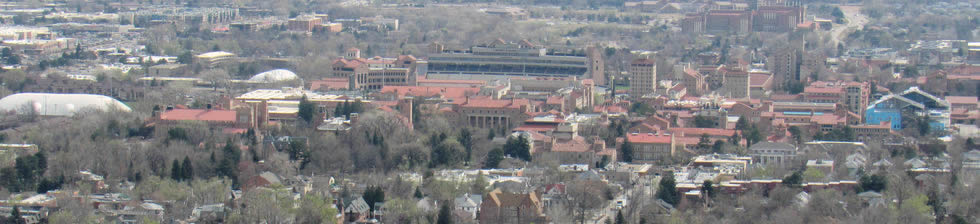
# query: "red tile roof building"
373,73
651,147
853,95
241,118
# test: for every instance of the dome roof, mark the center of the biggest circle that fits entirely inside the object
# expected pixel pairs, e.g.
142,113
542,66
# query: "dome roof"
54,104
276,75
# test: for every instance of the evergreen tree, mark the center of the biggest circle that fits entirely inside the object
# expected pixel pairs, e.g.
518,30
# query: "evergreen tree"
466,138
718,147
667,190
445,215
518,148
306,110
627,150
793,180
187,169
418,193
619,217
708,188
494,157
176,172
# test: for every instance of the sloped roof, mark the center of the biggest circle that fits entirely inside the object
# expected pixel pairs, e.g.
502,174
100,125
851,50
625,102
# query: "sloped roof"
506,199
357,206
55,104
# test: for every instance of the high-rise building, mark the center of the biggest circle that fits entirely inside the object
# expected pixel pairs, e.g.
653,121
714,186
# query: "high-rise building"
643,77
785,65
597,67
737,83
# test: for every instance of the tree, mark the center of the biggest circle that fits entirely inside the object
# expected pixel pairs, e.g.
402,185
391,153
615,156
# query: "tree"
466,139
603,162
718,147
708,188
374,195
797,134
187,169
479,185
176,173
627,150
418,193
703,122
445,215
15,217
447,153
753,136
306,109
619,217
494,157
185,58
13,60
585,196
518,148
741,124
315,208
793,180
837,13
667,189
642,109
874,182
704,141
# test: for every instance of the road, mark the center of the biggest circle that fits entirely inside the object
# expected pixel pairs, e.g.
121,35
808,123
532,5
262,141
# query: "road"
855,21
644,188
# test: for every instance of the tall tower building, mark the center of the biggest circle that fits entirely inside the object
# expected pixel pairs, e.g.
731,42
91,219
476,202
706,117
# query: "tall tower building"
785,65
597,67
737,83
643,77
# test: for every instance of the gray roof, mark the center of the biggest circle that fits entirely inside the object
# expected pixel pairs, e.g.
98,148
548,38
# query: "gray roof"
468,200
357,206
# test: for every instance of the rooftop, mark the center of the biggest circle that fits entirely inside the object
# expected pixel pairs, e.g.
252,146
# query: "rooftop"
199,115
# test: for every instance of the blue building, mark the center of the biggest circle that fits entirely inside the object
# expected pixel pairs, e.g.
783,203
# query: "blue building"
911,102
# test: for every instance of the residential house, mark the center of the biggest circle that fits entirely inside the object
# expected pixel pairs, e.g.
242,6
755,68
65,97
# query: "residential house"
517,208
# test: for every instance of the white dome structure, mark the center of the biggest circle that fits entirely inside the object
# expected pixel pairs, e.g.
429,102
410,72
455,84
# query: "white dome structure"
276,75
55,104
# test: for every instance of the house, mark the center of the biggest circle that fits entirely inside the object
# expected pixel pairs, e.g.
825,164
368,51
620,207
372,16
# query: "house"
357,210
773,153
209,213
855,162
262,180
468,205
518,208
553,194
